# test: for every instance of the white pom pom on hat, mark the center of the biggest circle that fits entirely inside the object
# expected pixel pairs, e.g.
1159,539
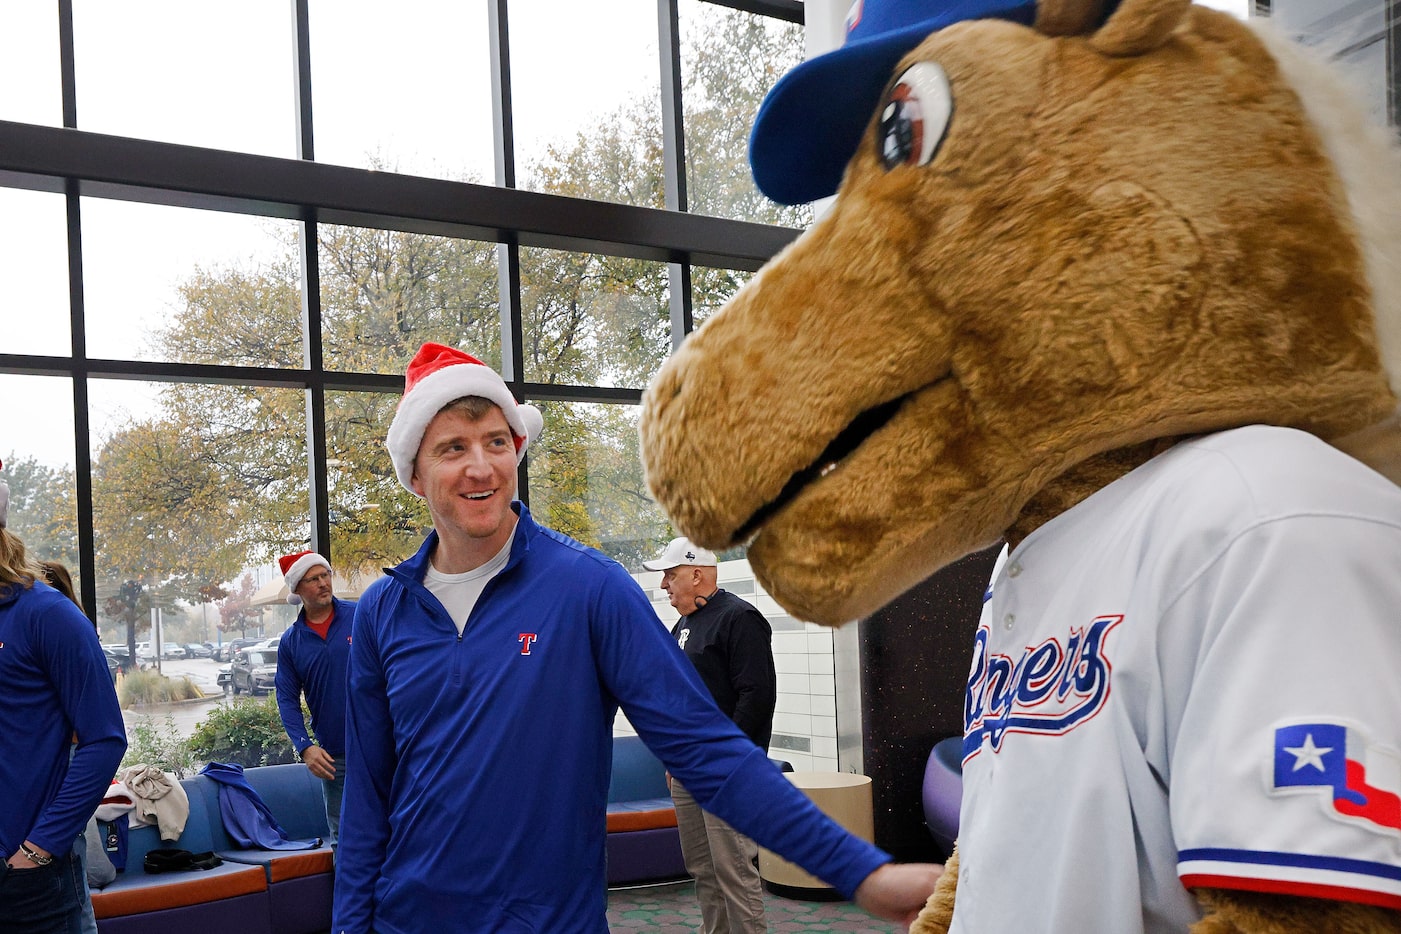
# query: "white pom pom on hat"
294,568
437,375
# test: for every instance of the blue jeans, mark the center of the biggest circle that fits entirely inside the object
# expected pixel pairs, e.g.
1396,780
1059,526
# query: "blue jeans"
333,791
80,850
42,900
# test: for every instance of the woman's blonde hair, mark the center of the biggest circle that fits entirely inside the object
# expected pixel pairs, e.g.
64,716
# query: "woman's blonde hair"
16,567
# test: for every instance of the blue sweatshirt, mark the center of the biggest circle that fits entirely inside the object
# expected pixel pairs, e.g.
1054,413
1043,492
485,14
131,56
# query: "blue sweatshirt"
54,681
478,765
308,663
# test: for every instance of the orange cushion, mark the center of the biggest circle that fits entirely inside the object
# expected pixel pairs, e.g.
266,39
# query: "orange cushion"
623,821
297,865
171,892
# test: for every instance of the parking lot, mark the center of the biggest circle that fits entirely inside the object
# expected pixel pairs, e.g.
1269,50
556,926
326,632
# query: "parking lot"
204,672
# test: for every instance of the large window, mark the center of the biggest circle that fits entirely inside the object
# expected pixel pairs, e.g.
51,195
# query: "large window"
1363,35
229,225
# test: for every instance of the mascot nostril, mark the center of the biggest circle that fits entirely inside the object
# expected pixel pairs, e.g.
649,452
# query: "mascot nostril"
1117,282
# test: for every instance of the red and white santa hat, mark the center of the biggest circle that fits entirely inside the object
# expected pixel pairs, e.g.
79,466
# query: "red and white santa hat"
436,376
4,498
294,568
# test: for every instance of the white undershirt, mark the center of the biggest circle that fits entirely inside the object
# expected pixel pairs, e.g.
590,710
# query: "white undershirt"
458,593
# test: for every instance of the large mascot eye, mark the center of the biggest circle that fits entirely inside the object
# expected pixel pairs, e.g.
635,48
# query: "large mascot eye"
915,116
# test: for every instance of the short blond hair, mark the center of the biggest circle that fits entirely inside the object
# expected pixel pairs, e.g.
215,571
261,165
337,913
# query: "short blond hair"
474,407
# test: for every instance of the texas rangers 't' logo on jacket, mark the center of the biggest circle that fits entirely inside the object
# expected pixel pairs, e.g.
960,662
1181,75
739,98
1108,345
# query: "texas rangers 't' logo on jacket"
1050,688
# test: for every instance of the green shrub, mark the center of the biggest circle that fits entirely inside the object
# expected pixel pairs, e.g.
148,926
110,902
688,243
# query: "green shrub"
152,687
247,731
159,744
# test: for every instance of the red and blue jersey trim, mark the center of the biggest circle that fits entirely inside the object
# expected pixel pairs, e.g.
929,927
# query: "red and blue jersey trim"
1332,877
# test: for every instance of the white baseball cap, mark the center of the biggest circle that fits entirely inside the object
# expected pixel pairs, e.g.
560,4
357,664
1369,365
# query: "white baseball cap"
680,551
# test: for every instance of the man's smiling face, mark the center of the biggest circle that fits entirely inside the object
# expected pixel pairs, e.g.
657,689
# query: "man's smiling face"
466,470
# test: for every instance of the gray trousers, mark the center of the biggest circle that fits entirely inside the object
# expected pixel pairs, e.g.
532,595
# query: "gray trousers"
721,859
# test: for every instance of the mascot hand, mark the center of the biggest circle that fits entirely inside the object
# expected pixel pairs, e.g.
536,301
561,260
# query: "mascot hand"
938,911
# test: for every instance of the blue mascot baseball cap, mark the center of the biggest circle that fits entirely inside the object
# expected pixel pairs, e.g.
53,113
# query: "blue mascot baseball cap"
811,122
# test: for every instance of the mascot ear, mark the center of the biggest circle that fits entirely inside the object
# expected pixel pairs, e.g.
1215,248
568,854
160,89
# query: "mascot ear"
1069,17
1138,26
1135,26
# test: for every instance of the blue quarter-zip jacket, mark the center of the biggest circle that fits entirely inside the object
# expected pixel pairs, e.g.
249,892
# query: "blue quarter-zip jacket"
246,816
478,765
54,681
306,662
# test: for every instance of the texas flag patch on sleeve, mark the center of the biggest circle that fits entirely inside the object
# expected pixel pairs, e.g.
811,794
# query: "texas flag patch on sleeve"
1330,758
1355,783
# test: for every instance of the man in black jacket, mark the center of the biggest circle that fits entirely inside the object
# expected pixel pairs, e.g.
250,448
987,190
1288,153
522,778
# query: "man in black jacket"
729,642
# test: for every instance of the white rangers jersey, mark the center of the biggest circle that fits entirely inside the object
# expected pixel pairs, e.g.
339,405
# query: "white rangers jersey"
1192,678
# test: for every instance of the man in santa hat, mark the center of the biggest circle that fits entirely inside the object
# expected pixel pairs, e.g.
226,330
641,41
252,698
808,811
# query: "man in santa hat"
312,657
484,679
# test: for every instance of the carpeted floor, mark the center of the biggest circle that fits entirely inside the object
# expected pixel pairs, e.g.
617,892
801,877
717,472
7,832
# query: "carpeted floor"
672,909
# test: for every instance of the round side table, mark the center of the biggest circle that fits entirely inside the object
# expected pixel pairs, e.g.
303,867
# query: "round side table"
842,796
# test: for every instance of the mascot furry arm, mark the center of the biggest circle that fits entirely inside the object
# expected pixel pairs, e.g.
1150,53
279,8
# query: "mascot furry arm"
1101,279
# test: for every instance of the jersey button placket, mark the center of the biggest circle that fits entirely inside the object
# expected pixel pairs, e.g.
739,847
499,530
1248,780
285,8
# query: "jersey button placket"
1014,570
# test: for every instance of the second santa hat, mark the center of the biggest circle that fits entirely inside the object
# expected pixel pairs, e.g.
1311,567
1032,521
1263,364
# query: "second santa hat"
436,376
294,568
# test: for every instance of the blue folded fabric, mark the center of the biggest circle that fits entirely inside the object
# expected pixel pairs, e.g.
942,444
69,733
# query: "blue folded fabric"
246,817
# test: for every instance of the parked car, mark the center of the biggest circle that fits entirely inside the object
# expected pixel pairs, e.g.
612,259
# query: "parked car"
172,650
144,652
225,678
226,652
118,660
254,671
271,642
195,650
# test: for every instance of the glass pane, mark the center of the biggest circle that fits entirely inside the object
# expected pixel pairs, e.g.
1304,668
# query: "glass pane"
729,60
31,83
34,267
375,522
711,288
36,448
586,481
586,96
195,487
593,320
1353,32
176,284
1237,8
148,68
803,721
429,91
383,293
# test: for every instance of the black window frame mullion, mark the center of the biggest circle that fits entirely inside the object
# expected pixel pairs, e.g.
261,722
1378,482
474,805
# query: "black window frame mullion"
77,323
674,159
503,121
313,354
791,11
301,66
1393,64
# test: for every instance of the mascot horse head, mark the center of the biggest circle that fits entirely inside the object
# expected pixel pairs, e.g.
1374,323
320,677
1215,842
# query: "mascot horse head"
1065,234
